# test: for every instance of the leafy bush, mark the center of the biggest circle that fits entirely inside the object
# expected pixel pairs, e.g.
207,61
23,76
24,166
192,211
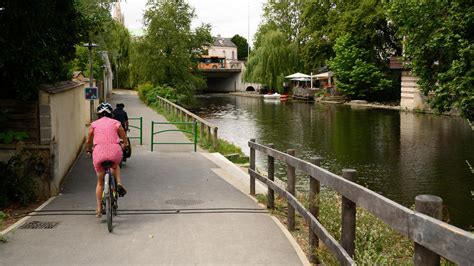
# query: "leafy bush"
148,93
19,178
11,136
356,75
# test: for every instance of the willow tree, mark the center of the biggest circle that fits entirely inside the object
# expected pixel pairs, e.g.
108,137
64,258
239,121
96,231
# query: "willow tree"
272,61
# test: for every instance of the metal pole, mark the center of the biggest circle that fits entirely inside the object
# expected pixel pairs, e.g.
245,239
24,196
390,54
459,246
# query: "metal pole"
152,129
91,77
105,85
141,130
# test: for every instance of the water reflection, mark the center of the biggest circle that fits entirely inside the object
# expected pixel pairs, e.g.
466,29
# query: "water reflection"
397,154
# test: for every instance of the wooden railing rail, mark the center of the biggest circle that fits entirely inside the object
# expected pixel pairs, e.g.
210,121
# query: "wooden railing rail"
206,128
434,235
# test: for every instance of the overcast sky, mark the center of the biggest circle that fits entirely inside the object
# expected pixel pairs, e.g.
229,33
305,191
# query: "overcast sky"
227,17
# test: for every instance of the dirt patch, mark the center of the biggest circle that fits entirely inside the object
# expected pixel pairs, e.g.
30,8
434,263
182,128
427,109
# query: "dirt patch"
14,212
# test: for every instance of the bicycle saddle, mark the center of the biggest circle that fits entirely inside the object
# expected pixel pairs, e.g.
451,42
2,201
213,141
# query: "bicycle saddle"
107,164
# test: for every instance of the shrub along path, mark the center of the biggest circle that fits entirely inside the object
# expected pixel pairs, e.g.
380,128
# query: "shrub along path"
178,211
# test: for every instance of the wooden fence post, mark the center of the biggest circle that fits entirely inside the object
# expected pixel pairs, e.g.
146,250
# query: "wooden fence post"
215,140
314,189
271,176
201,132
252,166
431,206
209,137
348,217
290,187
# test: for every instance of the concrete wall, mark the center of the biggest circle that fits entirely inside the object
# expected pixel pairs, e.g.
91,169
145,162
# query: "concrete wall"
224,52
64,113
230,53
411,96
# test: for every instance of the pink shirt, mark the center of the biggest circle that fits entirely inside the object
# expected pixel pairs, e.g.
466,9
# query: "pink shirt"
106,131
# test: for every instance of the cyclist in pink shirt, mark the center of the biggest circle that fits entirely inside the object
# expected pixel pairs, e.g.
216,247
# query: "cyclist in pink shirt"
105,134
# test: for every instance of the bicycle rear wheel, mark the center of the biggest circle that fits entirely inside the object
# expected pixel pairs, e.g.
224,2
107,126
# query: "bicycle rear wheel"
108,206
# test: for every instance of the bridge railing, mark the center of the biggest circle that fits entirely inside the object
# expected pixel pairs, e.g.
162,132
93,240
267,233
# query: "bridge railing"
207,130
432,237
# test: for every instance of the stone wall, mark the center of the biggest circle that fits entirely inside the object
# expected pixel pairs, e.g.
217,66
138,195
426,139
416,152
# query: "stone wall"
411,96
64,113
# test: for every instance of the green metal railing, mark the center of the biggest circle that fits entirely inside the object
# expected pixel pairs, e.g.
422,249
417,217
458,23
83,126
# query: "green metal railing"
139,128
193,132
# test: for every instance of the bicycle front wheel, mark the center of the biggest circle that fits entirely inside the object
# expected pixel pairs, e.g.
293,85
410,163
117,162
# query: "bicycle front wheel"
108,210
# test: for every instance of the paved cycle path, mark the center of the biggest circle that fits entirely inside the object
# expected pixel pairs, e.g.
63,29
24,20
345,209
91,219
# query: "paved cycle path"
180,209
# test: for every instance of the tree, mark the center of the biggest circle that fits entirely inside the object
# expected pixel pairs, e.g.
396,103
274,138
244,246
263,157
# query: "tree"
242,46
110,35
166,55
439,46
36,42
284,16
272,61
356,76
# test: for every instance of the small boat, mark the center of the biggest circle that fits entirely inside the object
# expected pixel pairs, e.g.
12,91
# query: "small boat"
275,95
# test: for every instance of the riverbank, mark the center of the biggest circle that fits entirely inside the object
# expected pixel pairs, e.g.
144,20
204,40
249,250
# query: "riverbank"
252,94
354,103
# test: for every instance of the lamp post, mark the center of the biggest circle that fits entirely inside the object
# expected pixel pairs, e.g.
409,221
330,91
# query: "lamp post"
104,86
91,45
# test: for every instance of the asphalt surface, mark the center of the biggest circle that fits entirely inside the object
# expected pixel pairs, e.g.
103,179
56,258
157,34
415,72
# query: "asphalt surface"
180,209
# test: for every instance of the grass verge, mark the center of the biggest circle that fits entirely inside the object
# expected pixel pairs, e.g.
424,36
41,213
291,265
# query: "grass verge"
229,150
376,242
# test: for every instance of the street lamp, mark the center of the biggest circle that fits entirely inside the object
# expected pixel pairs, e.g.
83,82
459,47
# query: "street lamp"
91,45
104,86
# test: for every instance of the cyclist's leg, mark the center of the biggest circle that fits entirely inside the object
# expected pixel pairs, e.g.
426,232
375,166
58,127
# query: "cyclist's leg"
120,187
98,190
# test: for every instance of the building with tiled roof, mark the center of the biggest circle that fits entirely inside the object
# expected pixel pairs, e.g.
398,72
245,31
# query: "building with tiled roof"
224,47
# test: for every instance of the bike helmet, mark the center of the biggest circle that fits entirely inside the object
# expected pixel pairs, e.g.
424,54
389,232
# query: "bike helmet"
104,107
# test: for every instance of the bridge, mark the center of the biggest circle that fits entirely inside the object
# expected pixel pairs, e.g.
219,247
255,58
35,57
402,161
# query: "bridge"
227,79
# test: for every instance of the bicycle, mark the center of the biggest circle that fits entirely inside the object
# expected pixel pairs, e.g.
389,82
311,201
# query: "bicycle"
109,195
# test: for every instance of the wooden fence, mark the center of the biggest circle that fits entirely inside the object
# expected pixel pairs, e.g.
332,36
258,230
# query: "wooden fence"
433,238
21,116
207,130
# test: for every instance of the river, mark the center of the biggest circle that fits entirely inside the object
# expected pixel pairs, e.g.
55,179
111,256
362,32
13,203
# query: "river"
397,154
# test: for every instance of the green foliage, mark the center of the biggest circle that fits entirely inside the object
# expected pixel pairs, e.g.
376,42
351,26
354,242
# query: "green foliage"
440,50
356,76
376,242
36,43
111,36
165,56
272,61
284,16
81,62
18,178
10,136
366,20
148,93
242,46
96,15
